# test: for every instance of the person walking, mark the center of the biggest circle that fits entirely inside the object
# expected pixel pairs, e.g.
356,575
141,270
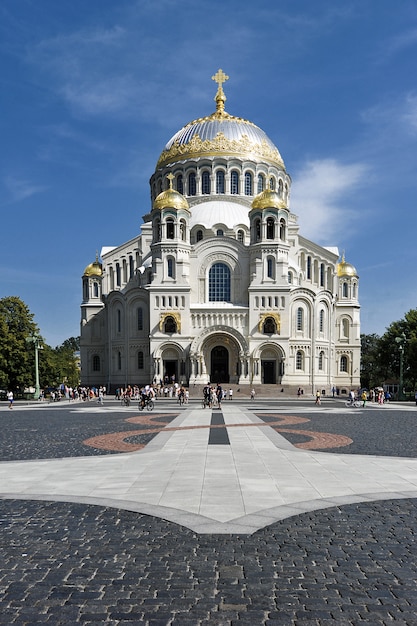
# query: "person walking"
219,394
10,399
364,398
230,394
318,397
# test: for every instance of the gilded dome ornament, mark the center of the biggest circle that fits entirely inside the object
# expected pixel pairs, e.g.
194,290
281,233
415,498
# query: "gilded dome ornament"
268,199
170,198
220,134
94,269
345,269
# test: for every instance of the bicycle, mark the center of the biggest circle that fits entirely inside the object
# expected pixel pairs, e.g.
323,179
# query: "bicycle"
354,403
147,403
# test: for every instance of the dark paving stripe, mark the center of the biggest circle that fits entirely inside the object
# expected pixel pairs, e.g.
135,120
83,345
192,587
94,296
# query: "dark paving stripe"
218,436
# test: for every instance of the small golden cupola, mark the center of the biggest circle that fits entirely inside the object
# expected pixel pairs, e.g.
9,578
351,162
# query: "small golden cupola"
170,198
346,269
94,269
268,199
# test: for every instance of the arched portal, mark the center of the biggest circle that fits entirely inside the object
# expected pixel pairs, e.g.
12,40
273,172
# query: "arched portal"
219,365
272,365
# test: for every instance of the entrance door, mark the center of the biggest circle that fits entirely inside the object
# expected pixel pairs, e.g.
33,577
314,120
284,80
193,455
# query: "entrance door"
170,371
219,365
269,372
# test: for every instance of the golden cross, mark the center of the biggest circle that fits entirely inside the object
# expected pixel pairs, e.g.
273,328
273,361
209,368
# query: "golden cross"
170,177
220,78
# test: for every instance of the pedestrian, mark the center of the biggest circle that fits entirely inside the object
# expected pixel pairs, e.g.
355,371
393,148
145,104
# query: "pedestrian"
252,394
10,399
364,397
219,394
230,394
318,397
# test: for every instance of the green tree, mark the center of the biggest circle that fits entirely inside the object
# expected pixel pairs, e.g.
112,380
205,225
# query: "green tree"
16,325
371,371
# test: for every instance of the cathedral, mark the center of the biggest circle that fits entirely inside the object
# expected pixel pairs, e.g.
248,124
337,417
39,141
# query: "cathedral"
220,285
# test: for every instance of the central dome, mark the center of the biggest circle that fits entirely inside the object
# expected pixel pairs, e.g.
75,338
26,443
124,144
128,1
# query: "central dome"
220,134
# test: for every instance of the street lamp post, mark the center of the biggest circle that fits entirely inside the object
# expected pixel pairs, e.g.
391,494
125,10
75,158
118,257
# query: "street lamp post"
401,341
36,340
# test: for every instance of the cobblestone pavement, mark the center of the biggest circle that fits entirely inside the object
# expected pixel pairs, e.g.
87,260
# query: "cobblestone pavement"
66,563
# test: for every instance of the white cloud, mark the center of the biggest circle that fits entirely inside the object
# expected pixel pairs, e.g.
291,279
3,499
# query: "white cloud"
322,196
19,189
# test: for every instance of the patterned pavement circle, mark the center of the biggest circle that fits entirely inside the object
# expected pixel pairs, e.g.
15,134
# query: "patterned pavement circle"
118,441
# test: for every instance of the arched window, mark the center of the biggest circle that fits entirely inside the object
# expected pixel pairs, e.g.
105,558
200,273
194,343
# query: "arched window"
240,236
85,289
96,363
119,360
234,182
118,277
95,289
272,183
308,269
300,318
343,363
270,228
139,318
220,232
270,326
322,274
345,290
183,230
270,267
258,230
282,229
299,360
170,267
199,235
321,321
280,188
321,360
220,181
124,271
140,360
119,321
290,278
205,182
192,186
170,229
354,290
248,184
219,283
157,232
111,278
345,328
131,267
170,325
261,183
180,184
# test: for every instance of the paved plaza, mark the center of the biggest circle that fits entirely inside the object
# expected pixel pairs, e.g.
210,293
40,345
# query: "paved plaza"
264,512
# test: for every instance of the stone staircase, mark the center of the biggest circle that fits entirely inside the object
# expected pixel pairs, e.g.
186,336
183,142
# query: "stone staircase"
261,391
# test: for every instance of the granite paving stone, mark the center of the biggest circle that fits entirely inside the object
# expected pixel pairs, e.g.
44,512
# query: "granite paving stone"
67,563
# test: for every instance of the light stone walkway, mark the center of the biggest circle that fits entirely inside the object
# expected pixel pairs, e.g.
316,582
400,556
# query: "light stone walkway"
238,488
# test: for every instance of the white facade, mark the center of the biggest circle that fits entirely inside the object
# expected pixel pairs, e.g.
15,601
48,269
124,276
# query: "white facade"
219,284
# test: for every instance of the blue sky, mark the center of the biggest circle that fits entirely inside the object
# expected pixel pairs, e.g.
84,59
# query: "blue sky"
92,90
